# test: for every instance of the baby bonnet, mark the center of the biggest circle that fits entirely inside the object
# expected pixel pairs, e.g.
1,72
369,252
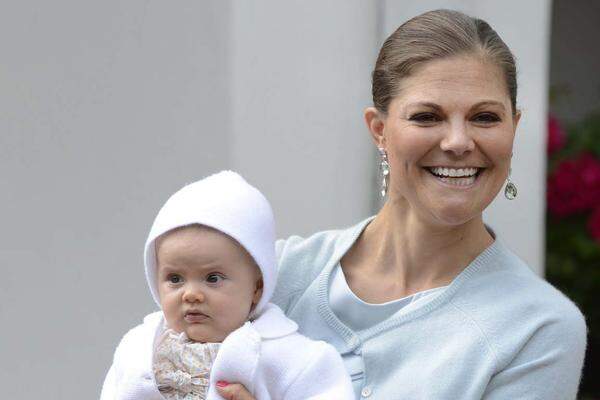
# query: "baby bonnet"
226,202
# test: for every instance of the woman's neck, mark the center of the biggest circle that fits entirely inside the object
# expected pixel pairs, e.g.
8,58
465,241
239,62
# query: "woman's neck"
409,255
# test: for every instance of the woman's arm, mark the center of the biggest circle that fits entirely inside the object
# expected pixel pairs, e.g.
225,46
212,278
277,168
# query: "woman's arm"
548,367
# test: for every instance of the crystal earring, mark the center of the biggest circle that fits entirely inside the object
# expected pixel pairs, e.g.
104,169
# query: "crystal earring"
510,191
384,166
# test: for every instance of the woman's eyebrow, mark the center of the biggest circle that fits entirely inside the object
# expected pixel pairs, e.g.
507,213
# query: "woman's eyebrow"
425,104
437,107
489,103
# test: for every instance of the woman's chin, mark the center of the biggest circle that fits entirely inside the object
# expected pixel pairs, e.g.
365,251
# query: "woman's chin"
455,214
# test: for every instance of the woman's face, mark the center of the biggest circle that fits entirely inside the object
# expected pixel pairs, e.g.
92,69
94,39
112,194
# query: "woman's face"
448,135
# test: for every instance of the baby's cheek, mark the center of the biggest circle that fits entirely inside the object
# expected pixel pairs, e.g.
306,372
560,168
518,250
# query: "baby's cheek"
171,313
233,316
172,322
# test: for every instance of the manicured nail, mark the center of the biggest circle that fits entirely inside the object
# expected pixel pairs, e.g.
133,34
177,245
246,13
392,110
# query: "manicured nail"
222,383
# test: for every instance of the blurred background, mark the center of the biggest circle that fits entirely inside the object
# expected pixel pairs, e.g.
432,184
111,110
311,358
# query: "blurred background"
108,107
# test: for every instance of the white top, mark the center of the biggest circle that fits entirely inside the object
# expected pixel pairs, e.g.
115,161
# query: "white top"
359,315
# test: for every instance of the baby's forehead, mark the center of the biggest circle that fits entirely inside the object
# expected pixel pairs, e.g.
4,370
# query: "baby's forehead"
188,230
195,235
201,246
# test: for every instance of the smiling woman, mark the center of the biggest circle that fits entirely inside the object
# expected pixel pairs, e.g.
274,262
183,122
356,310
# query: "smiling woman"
448,135
423,300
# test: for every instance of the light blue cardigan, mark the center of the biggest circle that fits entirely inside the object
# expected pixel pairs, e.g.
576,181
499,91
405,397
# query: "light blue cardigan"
497,332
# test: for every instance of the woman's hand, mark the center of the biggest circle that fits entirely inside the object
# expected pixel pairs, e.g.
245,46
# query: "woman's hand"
233,391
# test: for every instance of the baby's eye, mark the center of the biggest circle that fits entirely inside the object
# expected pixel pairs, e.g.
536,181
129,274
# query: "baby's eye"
486,118
175,278
214,278
425,118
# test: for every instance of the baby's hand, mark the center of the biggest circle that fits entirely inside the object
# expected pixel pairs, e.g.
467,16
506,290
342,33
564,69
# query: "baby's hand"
233,391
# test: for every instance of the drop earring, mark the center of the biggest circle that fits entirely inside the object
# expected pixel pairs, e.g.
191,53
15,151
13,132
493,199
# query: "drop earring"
510,191
384,166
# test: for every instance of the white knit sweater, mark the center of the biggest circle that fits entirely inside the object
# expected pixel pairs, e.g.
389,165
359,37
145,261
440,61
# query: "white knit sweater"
268,356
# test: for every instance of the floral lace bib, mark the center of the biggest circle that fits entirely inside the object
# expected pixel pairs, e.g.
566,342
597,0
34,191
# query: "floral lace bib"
182,366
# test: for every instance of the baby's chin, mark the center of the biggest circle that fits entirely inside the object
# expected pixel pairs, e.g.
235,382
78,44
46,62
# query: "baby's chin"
203,335
198,332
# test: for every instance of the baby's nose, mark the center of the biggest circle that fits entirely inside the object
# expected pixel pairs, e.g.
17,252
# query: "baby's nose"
193,294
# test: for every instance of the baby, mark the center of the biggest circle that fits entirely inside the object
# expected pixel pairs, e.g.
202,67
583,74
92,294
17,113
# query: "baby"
210,265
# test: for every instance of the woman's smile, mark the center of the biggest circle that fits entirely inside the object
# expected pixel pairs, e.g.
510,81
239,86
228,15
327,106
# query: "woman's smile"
456,178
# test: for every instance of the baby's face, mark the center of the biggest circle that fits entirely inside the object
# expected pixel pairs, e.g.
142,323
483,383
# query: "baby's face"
207,282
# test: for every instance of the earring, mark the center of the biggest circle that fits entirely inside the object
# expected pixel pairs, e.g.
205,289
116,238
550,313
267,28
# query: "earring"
384,166
510,191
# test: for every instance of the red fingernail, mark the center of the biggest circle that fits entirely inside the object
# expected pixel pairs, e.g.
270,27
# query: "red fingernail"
222,383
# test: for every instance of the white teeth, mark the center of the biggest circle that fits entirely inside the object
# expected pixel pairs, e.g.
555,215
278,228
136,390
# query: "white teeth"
459,181
454,172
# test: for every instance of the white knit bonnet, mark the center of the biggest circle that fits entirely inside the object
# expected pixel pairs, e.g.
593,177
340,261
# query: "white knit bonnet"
226,202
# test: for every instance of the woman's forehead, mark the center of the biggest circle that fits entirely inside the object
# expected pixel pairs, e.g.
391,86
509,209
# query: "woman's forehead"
468,79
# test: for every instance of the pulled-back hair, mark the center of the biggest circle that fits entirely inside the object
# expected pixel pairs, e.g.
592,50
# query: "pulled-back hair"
435,35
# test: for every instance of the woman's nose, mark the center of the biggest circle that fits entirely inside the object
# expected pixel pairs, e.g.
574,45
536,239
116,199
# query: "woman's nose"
457,140
193,294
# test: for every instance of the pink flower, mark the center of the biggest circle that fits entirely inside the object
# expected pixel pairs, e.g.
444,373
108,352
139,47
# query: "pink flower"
594,224
556,135
574,186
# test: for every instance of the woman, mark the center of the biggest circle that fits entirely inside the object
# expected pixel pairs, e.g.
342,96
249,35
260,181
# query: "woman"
423,301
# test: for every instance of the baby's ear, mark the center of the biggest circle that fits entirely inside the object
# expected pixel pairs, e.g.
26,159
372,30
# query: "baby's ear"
258,291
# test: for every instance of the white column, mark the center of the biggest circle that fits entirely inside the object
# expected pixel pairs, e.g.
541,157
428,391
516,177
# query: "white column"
301,79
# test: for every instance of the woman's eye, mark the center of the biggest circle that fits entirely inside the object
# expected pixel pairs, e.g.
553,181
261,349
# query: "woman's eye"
174,278
425,118
486,118
214,278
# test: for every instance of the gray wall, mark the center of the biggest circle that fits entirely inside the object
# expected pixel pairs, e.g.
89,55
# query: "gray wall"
300,82
108,107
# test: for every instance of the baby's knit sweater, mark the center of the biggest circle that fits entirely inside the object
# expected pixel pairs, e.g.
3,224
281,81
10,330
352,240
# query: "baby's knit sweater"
498,331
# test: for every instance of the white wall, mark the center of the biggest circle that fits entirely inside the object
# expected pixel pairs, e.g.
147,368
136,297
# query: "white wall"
108,107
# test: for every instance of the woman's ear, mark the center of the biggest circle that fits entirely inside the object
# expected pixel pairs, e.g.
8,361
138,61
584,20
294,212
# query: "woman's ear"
516,119
376,124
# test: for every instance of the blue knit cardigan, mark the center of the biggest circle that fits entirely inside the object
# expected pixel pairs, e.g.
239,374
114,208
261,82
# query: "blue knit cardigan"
497,332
